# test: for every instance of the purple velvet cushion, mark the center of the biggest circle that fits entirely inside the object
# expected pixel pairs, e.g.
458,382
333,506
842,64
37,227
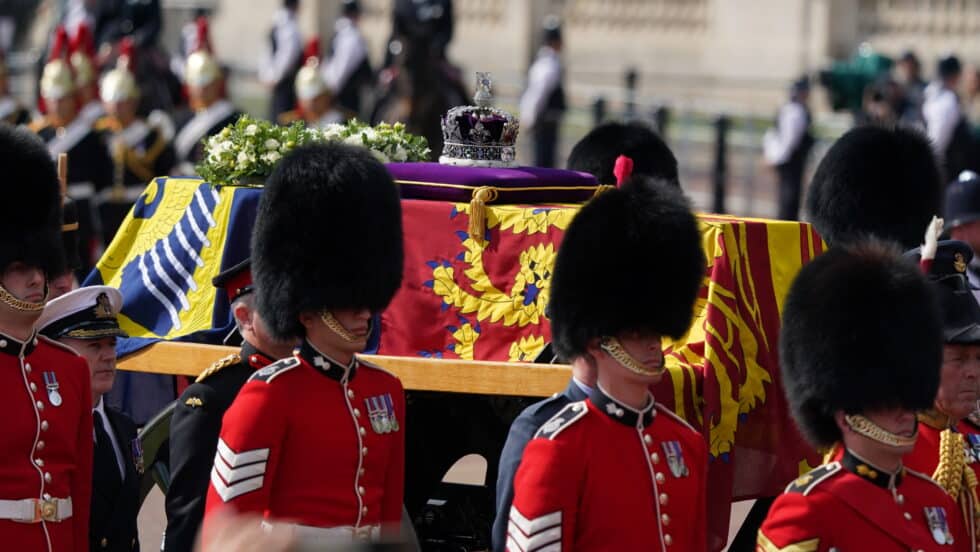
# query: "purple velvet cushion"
532,185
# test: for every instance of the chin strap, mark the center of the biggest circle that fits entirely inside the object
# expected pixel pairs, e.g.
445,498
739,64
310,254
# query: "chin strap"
19,304
615,349
336,327
863,426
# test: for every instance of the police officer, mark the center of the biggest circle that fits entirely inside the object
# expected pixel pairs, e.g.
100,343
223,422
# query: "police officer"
618,471
86,321
197,417
64,131
318,438
787,147
348,70
947,445
279,65
45,471
860,350
543,103
962,215
140,149
875,180
210,109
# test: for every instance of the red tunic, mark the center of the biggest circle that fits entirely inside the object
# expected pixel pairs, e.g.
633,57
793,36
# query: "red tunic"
45,450
315,443
601,476
850,505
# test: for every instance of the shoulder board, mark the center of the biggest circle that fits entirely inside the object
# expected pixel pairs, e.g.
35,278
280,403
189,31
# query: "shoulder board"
364,364
566,417
217,366
805,483
271,371
670,414
925,477
62,346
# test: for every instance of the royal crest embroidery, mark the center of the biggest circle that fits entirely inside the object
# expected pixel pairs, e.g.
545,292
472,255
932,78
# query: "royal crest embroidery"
51,383
381,412
938,524
959,263
675,458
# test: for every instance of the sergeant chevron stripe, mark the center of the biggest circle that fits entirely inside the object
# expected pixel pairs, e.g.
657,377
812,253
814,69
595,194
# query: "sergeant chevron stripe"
538,534
237,473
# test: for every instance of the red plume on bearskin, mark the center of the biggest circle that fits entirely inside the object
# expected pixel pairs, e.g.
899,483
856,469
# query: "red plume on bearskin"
83,41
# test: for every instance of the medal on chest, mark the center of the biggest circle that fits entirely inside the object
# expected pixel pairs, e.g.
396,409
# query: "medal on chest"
381,412
137,448
973,440
938,525
51,383
675,458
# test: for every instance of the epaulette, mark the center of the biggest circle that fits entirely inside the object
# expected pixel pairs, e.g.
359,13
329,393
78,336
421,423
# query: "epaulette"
670,414
806,482
217,366
565,417
270,372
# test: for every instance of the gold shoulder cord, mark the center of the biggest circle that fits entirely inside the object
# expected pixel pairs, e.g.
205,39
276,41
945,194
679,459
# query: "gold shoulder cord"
954,474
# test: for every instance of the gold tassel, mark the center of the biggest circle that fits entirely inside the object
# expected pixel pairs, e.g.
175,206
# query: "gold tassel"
951,471
478,210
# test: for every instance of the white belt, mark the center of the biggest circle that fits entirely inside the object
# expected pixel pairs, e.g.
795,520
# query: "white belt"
309,535
81,190
35,510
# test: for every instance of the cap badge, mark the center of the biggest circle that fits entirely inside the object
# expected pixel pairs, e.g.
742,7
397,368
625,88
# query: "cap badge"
51,382
936,517
959,263
103,308
675,458
381,411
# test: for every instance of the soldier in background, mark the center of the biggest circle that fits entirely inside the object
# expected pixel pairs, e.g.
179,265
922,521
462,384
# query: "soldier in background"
348,71
860,353
140,149
543,103
86,73
11,111
197,416
86,320
280,63
210,110
64,131
314,101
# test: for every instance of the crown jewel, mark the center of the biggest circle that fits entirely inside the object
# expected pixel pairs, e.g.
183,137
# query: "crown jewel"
479,135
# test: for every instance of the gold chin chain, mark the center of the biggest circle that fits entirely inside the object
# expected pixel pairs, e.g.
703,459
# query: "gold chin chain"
337,328
613,348
863,426
21,305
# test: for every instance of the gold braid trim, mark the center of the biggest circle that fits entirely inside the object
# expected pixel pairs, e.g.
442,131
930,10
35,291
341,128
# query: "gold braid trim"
955,475
218,365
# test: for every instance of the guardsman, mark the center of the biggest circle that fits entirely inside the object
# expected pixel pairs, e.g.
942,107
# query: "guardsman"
597,151
210,109
875,180
860,354
348,70
64,131
279,64
948,447
11,111
618,471
86,75
318,438
314,100
197,417
140,149
86,320
543,103
46,442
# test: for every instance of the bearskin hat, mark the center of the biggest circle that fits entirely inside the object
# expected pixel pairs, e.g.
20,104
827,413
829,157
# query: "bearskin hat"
328,235
875,181
596,153
30,226
861,330
630,260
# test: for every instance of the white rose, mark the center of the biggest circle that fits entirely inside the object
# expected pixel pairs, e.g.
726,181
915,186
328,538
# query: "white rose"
354,140
380,156
400,155
333,132
271,157
243,157
251,130
369,134
271,144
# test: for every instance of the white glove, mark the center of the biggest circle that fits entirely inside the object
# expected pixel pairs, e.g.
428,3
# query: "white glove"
933,231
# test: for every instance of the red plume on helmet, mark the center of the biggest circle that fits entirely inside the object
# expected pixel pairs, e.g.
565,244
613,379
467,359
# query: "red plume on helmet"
127,54
312,50
83,41
203,39
59,47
